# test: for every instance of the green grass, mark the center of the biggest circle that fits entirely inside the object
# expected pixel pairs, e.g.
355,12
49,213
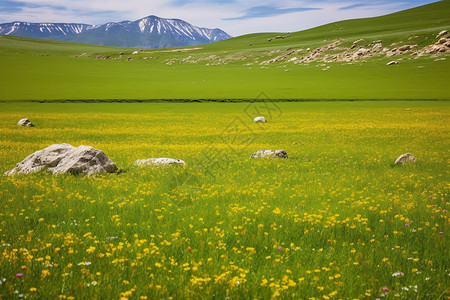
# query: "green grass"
47,70
335,220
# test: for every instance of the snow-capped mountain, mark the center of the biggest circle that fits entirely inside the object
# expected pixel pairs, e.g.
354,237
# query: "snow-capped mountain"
149,32
42,30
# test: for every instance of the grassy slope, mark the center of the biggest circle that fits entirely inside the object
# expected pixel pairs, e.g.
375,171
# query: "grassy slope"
422,21
59,75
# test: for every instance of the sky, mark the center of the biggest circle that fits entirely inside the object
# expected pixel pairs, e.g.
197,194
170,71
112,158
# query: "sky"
236,17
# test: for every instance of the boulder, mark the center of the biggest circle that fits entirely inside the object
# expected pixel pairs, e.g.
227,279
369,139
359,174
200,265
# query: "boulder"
158,162
406,48
270,154
404,158
25,122
64,159
362,52
392,63
442,33
259,120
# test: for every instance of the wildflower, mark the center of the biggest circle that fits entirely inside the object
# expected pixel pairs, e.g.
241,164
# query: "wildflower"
280,248
45,273
398,274
19,275
24,267
33,289
441,232
385,289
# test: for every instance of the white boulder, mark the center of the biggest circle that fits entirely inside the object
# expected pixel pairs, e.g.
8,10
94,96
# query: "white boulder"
404,158
392,63
158,162
63,159
25,122
270,154
259,120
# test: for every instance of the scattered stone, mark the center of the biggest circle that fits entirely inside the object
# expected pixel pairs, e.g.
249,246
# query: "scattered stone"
402,159
136,52
441,46
259,120
158,162
362,52
442,33
405,48
392,63
270,154
66,159
25,122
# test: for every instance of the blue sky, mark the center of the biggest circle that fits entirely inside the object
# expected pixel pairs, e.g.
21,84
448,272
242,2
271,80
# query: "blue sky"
236,17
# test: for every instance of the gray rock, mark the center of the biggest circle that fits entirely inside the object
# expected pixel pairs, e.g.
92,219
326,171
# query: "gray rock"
66,159
392,63
404,158
158,162
270,154
259,120
25,122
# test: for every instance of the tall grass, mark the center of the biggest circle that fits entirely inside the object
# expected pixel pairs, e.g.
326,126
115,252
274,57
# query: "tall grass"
335,220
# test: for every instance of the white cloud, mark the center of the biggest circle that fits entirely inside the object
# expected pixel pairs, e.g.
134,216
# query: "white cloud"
204,13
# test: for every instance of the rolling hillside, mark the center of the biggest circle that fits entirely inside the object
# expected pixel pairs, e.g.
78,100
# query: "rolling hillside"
340,61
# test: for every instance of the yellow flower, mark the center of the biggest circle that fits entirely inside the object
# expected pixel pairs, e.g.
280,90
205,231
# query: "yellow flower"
33,289
45,273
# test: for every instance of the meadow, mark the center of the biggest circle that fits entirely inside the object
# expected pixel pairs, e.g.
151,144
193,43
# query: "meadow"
337,220
39,70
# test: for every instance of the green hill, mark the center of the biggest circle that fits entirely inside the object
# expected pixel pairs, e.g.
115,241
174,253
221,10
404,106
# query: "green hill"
343,60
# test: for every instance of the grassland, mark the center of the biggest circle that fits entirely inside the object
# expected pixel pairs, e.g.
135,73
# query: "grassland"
46,70
337,220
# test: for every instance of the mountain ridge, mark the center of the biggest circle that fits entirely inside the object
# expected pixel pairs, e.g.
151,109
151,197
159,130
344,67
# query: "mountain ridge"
147,32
